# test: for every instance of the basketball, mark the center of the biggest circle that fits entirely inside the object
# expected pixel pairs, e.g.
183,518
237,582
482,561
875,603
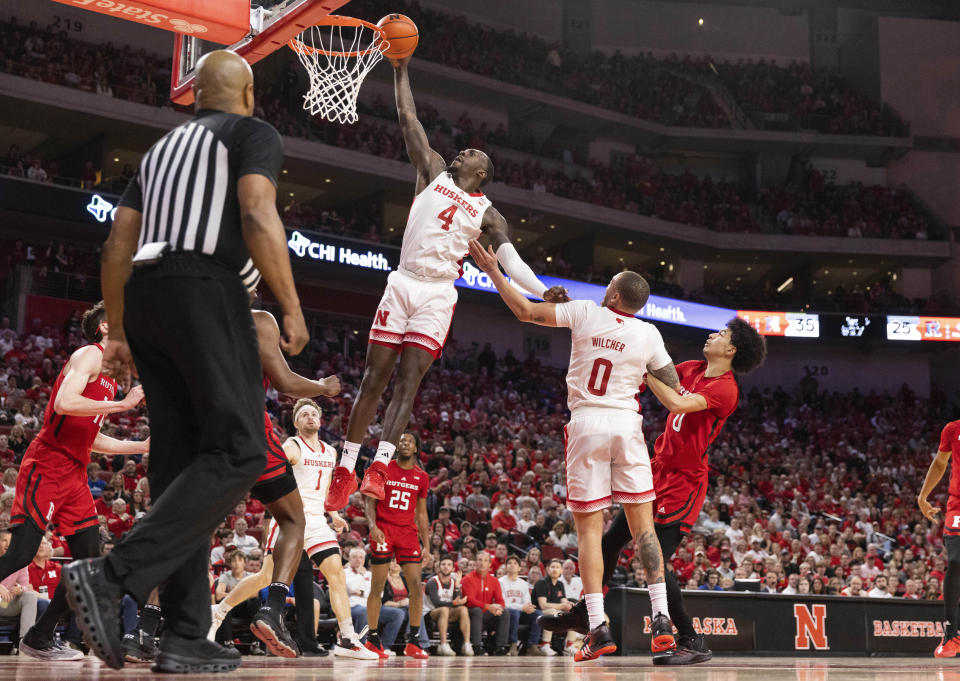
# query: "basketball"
401,33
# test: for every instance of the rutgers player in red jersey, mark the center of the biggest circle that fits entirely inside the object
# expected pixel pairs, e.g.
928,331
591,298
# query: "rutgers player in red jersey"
277,488
52,482
414,315
399,528
948,452
708,395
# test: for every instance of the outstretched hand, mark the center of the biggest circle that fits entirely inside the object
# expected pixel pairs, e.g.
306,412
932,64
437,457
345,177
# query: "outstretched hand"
486,259
556,294
118,362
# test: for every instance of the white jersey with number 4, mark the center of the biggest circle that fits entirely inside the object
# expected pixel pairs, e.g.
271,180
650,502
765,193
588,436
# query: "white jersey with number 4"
443,220
313,472
609,354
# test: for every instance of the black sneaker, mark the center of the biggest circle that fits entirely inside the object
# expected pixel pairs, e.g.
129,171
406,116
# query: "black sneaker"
598,642
96,602
314,651
695,648
268,626
661,635
575,619
138,646
501,651
179,655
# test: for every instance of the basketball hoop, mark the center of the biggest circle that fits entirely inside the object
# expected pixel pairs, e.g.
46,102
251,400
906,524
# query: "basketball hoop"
338,53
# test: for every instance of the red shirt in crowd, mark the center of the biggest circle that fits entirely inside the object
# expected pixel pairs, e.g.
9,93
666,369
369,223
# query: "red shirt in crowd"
503,522
481,591
48,576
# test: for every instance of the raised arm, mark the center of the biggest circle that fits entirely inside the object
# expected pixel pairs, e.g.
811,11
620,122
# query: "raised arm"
85,367
494,225
669,397
276,367
544,314
428,163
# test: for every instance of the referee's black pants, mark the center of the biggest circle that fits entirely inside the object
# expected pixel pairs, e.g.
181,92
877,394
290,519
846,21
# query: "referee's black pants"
192,337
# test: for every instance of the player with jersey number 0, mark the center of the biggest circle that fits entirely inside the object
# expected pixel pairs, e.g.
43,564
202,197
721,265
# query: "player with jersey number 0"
605,453
399,527
707,396
414,315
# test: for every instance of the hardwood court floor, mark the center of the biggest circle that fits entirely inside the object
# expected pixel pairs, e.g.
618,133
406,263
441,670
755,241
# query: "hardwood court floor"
515,669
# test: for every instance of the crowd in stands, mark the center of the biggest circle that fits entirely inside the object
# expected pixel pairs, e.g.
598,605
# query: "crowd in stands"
814,98
811,489
628,183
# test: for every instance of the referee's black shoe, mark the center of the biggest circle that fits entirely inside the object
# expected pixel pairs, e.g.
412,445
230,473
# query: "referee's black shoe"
96,602
575,619
179,655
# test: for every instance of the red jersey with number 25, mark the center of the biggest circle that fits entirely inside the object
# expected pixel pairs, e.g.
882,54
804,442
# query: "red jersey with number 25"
686,436
403,488
74,435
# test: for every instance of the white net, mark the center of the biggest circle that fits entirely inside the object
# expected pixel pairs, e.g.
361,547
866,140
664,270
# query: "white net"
337,58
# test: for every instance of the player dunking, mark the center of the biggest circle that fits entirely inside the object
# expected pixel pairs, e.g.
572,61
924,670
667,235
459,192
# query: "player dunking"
52,482
399,528
414,315
605,454
312,461
948,452
708,395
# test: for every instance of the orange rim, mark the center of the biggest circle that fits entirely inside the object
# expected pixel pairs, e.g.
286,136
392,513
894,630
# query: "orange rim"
379,43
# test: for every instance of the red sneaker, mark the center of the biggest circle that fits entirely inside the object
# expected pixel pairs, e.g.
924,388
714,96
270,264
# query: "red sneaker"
949,647
376,649
344,484
375,480
413,650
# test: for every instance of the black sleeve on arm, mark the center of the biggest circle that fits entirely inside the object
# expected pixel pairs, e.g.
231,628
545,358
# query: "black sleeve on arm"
260,149
133,194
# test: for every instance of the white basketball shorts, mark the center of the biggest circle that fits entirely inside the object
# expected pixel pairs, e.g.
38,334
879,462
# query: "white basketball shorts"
606,460
414,313
317,534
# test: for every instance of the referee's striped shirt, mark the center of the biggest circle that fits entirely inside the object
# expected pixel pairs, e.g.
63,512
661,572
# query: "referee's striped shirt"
186,185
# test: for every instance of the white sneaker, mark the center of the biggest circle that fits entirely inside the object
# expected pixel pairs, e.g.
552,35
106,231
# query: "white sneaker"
390,653
444,650
548,650
217,622
353,648
56,652
570,649
467,650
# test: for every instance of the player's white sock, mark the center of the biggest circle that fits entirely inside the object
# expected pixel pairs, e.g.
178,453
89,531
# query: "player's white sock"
595,609
348,459
346,630
658,598
385,452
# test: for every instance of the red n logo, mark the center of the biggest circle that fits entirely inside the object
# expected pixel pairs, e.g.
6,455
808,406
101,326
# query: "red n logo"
810,627
381,318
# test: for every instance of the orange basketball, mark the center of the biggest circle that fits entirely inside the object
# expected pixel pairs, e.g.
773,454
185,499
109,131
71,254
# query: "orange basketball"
401,33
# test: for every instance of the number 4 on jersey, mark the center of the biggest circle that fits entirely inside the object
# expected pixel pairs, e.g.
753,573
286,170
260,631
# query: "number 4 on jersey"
446,216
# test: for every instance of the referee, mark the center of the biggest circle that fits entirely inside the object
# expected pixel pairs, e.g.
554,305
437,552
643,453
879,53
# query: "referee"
201,216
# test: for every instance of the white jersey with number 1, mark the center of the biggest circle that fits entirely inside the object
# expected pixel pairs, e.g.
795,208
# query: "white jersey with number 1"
610,351
313,472
442,221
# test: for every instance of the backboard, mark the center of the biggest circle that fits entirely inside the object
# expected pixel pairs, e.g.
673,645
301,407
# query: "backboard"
272,24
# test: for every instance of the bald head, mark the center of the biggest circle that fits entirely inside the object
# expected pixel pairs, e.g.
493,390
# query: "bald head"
224,82
628,291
